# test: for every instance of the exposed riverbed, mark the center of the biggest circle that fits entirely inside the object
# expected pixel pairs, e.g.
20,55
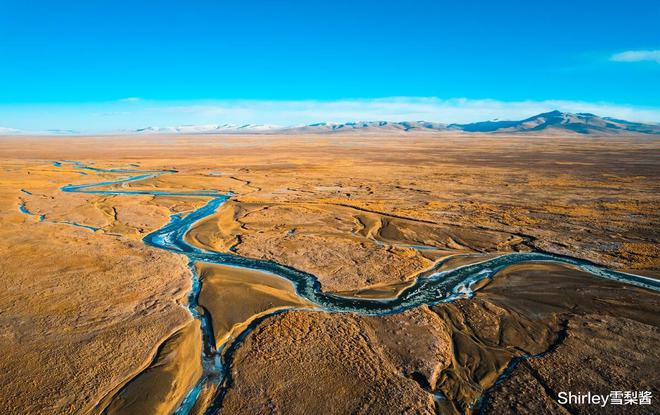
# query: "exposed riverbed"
432,288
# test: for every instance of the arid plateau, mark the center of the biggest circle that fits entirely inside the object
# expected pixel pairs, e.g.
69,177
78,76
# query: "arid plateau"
363,273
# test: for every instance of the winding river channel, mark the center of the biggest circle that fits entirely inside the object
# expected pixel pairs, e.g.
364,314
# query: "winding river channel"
432,288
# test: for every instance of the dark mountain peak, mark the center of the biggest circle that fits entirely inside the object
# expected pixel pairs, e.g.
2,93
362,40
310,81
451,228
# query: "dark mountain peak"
581,123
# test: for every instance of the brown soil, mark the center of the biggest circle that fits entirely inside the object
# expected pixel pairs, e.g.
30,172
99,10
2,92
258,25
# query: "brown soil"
304,362
163,385
234,297
83,313
589,334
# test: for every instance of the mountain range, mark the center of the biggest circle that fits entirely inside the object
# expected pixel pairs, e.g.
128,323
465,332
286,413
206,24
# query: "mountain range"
581,123
553,122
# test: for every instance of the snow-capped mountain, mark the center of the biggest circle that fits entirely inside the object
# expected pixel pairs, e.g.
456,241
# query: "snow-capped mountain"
209,129
365,126
554,122
551,122
322,127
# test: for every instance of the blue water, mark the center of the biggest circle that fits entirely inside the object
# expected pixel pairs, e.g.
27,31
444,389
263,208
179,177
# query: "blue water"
438,287
23,209
78,225
42,218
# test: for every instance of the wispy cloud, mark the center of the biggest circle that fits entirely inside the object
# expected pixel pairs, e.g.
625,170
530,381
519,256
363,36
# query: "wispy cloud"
637,56
398,109
137,114
131,99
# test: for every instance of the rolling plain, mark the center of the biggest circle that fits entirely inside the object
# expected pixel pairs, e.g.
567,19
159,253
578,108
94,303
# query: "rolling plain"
93,320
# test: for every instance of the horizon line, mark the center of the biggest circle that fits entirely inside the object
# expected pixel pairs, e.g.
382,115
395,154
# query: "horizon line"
133,113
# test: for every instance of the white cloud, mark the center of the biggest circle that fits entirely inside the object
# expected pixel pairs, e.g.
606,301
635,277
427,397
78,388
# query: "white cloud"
130,99
637,56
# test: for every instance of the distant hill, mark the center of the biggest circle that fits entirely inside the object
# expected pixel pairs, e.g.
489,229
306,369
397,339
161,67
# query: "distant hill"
550,122
212,128
365,126
581,123
554,122
15,131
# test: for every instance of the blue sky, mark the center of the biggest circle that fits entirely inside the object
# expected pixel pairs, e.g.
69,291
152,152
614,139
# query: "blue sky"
119,64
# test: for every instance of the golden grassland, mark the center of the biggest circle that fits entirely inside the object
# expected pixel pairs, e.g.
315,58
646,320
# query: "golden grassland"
259,293
90,318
